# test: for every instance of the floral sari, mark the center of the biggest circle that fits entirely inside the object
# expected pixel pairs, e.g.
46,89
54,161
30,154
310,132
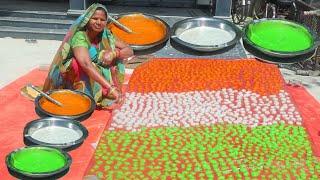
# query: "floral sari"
65,72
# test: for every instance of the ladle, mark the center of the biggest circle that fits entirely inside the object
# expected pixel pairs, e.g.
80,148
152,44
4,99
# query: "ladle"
120,25
45,95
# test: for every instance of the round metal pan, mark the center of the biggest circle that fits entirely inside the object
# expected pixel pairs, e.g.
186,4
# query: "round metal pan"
136,47
183,25
43,175
280,54
79,117
36,125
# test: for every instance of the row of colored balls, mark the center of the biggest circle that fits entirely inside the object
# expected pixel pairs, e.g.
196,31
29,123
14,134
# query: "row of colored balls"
218,151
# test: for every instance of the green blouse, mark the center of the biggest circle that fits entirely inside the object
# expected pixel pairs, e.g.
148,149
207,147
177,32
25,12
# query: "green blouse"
80,40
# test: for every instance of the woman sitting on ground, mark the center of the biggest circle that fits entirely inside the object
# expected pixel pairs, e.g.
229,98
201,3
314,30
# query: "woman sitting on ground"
90,59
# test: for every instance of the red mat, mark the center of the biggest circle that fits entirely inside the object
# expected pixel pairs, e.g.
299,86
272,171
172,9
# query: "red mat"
309,109
17,110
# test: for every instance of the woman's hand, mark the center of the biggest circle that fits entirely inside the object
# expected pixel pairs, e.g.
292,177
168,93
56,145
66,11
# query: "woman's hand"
116,94
108,57
125,51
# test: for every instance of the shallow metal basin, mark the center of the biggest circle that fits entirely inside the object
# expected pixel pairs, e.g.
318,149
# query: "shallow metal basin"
275,53
186,24
79,117
54,122
151,45
20,174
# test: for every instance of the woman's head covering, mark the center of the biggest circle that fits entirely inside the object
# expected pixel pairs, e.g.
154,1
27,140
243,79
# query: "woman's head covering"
82,20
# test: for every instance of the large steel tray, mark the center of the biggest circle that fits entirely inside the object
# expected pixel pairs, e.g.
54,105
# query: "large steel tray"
183,25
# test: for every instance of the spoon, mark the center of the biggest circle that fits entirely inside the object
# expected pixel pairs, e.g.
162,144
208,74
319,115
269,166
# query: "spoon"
45,95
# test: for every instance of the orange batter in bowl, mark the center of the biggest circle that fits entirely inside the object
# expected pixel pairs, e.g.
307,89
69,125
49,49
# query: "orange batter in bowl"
145,30
72,103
